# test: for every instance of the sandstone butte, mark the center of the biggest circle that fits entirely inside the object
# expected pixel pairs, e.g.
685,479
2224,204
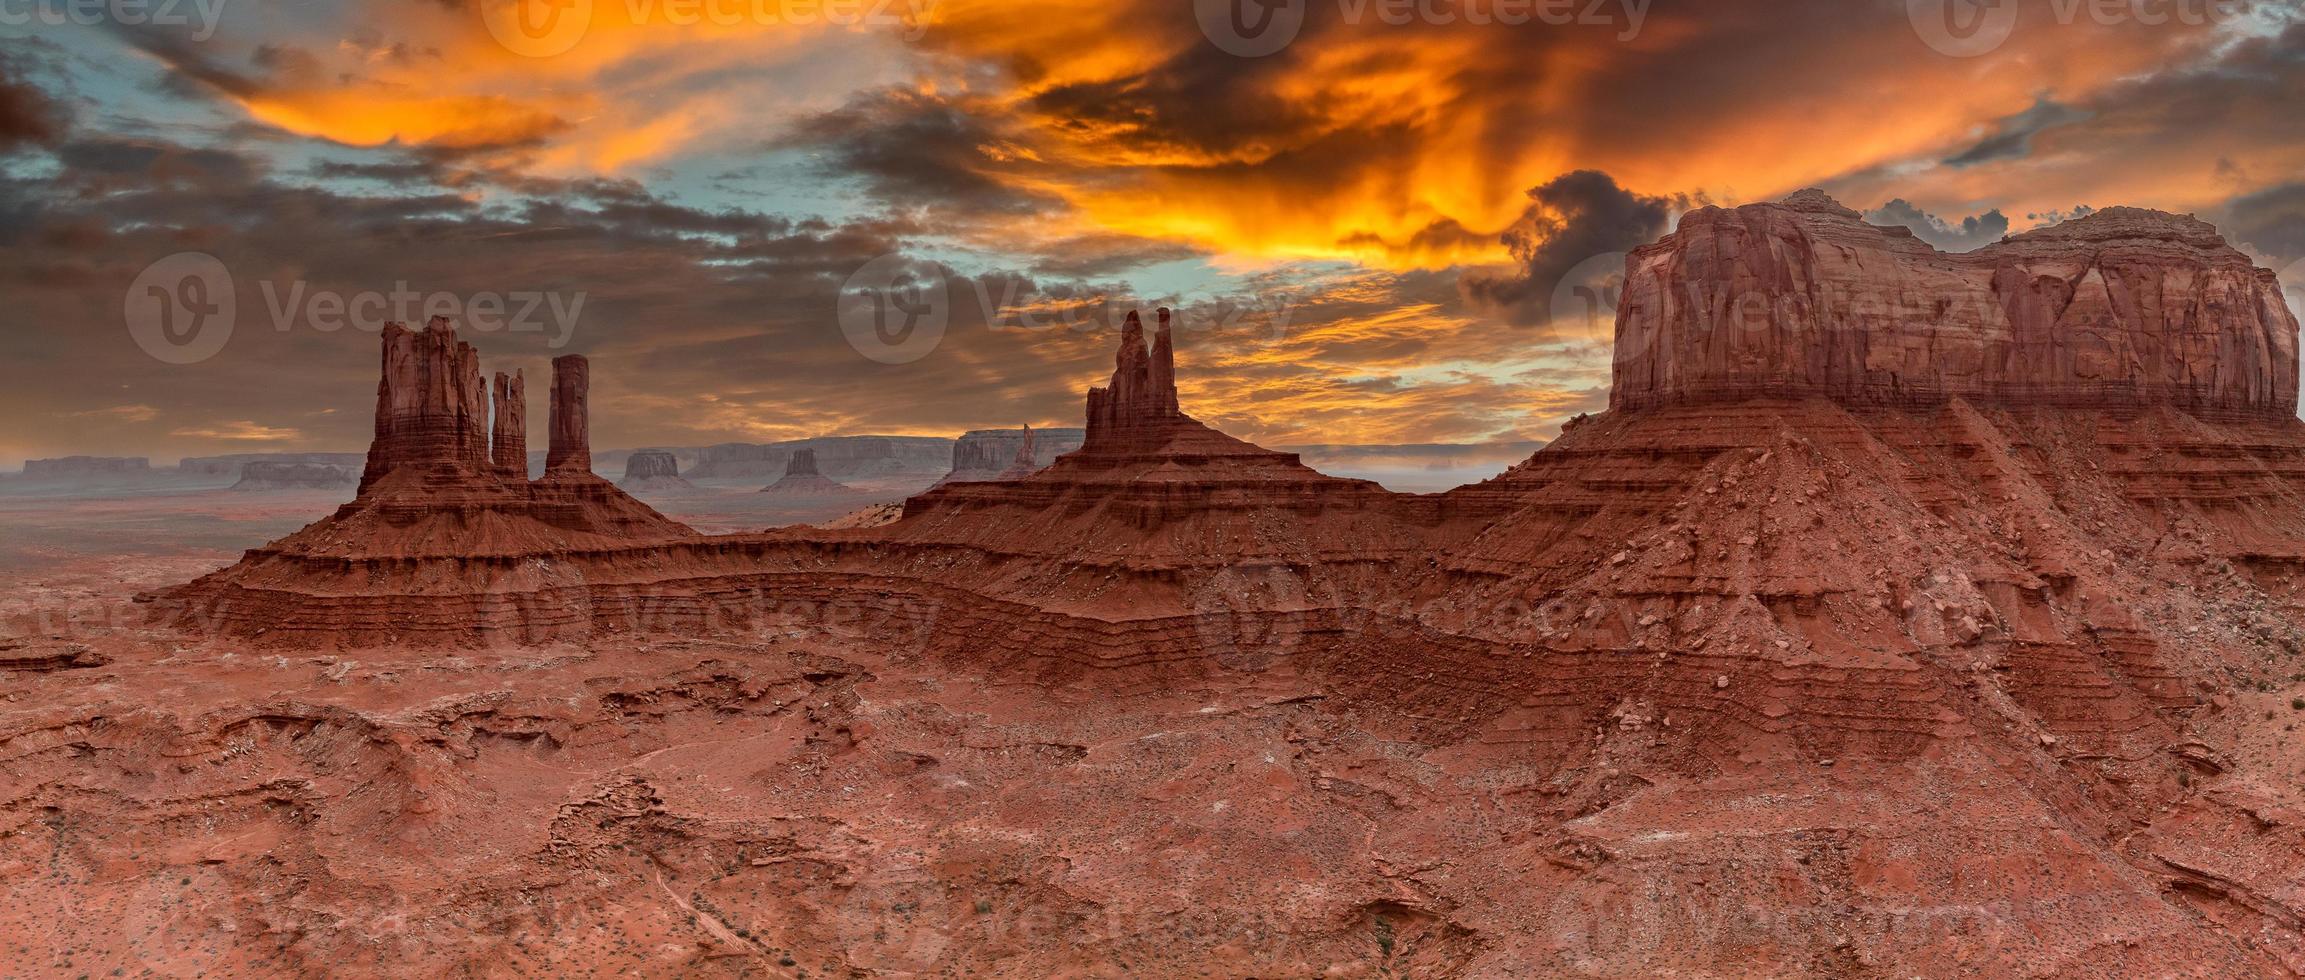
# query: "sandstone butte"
1901,616
801,479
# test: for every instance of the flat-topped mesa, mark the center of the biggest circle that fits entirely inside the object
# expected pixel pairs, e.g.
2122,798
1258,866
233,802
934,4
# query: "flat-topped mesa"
431,408
509,452
2123,308
1141,400
570,449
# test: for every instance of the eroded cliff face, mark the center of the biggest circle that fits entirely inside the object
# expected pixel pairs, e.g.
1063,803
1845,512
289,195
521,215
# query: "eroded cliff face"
431,410
2122,309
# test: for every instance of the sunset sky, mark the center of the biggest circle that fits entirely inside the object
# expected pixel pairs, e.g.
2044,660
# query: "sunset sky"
1364,228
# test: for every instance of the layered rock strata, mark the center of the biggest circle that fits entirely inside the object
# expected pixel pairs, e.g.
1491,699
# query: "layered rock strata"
439,533
1918,670
2120,309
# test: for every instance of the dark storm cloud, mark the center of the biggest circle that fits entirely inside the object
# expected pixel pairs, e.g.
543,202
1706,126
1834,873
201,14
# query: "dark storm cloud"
1570,220
2271,220
28,117
706,325
2013,136
1093,256
1974,231
144,160
915,150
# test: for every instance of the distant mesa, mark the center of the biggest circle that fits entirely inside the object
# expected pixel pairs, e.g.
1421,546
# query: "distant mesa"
864,457
653,470
278,475
801,479
87,467
988,454
230,467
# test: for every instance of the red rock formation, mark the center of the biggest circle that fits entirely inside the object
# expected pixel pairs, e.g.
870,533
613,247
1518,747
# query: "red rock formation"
431,411
509,451
2119,309
439,529
1855,681
1139,408
570,450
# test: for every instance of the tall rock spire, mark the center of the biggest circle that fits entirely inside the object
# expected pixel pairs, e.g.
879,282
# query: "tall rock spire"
570,449
1143,391
1164,367
509,453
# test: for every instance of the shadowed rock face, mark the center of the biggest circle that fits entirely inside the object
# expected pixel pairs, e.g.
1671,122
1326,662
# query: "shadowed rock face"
571,447
510,451
431,410
2121,309
1140,405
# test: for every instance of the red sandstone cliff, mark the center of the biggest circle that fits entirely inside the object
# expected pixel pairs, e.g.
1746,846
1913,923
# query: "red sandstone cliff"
2119,309
509,451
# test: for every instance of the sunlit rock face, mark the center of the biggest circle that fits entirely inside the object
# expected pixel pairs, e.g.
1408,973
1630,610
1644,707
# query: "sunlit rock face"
2122,308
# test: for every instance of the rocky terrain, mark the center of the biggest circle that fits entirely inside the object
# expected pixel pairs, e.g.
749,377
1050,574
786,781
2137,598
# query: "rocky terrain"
1847,643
